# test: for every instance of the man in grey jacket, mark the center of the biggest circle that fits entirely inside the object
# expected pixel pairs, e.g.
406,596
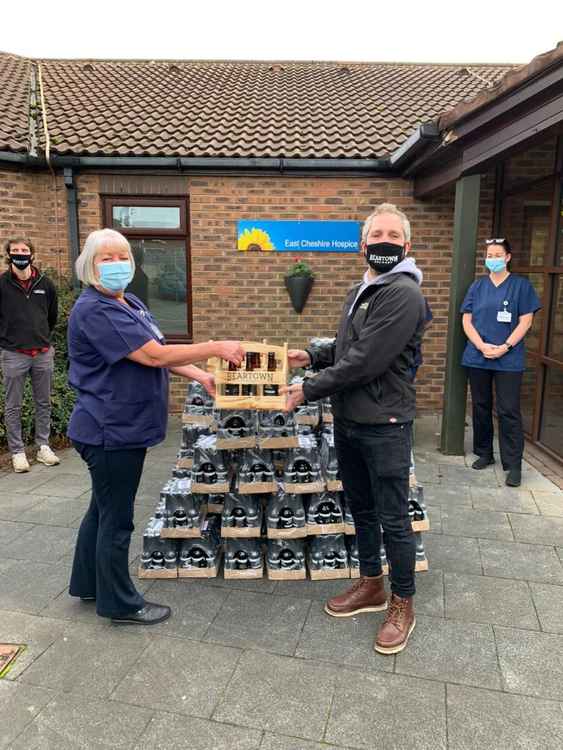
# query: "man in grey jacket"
368,374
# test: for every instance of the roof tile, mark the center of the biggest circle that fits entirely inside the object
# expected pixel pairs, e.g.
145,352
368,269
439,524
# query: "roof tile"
226,108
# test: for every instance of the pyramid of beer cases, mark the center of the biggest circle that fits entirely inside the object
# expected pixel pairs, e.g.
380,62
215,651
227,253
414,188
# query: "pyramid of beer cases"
257,490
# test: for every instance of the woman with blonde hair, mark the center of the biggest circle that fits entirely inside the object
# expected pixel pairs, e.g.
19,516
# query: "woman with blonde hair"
119,365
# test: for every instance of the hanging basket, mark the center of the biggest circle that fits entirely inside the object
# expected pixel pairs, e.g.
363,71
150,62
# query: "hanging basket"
298,288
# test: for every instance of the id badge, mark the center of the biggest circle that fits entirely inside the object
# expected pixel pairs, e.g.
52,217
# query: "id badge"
156,330
503,316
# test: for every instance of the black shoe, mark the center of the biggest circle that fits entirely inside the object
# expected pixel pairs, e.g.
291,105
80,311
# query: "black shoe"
150,614
514,478
483,462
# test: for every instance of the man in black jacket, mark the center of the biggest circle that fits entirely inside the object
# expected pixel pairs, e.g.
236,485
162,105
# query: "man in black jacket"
368,374
28,314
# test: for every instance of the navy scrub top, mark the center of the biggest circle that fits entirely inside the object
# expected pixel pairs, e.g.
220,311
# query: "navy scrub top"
484,301
120,404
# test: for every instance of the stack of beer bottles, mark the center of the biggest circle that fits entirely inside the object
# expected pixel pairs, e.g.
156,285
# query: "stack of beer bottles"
257,486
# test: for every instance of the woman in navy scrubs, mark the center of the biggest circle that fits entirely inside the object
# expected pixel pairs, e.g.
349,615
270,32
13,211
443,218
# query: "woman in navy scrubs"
498,311
119,368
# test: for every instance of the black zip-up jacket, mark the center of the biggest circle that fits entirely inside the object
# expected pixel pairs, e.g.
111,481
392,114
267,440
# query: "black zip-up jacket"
368,368
27,318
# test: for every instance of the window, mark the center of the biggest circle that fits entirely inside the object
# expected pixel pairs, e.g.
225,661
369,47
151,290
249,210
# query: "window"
531,217
551,432
157,232
526,218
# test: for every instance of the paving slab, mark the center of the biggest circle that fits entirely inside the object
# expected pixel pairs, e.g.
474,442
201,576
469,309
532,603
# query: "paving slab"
70,723
66,607
387,711
548,601
194,607
483,719
532,479
504,499
64,485
37,633
43,544
537,529
257,586
453,553
29,481
458,475
167,731
430,593
427,473
19,705
490,600
315,590
14,504
259,621
434,513
11,530
447,496
531,562
531,663
279,694
476,523
56,511
179,676
276,742
27,587
347,641
451,651
549,503
88,660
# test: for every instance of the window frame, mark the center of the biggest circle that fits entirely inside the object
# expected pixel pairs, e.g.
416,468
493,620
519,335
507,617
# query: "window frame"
111,201
539,361
180,233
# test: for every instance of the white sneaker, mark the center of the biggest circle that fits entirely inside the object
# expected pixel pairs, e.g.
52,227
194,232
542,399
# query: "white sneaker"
46,456
20,463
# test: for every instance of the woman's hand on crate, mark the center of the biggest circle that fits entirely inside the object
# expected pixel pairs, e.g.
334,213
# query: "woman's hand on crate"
295,395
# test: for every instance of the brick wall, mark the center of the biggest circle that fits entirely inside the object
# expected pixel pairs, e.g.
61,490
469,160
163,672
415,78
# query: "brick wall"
33,204
242,295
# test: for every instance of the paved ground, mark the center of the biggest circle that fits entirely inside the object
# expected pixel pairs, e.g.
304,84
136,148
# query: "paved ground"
259,665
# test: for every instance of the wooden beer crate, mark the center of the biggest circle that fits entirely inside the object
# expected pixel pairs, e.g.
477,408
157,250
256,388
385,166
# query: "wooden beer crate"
257,377
287,575
162,573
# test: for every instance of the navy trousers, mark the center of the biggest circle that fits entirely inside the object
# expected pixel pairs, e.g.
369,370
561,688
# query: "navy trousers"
374,465
101,557
511,434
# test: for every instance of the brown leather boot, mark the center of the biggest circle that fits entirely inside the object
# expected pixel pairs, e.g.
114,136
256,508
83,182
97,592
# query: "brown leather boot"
367,594
393,635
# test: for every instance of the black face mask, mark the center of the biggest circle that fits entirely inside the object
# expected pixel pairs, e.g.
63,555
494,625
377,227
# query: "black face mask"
383,256
21,262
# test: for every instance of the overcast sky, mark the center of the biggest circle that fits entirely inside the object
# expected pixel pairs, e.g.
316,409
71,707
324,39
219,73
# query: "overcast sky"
472,31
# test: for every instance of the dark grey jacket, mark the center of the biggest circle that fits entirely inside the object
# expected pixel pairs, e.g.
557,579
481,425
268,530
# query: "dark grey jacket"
367,371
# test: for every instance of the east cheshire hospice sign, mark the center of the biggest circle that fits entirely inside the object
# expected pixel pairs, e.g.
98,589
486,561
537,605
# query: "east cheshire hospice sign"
298,236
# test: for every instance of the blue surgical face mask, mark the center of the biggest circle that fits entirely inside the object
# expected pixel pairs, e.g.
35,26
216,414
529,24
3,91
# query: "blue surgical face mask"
115,275
495,265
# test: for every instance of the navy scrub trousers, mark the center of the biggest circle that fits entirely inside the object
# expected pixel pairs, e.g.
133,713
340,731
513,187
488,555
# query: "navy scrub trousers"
510,434
101,558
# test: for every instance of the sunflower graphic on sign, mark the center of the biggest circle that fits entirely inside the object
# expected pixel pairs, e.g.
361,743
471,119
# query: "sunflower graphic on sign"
255,240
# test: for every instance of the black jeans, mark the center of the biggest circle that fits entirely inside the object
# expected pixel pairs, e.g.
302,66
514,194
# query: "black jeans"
374,465
101,557
511,435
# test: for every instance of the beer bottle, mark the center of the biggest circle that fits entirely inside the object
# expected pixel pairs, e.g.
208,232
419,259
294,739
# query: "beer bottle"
230,389
270,389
